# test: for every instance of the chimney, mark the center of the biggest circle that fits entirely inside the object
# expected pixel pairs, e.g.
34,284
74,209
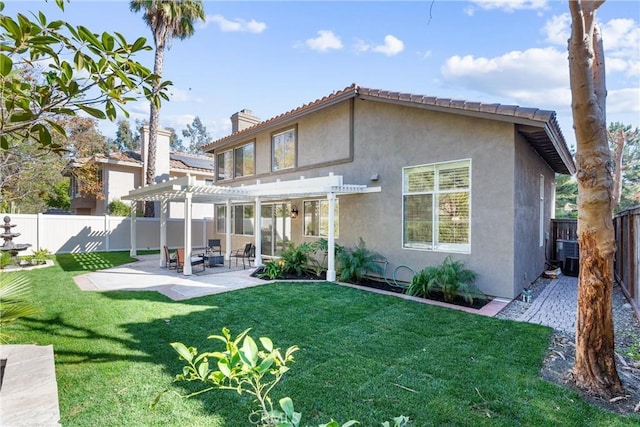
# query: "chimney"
242,120
162,153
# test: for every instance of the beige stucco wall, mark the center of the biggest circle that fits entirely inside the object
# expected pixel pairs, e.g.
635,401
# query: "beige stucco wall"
381,139
529,254
120,179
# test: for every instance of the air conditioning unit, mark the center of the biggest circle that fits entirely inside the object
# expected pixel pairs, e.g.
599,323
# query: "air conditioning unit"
568,253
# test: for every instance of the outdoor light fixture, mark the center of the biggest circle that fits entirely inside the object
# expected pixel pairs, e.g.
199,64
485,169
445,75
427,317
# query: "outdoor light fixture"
294,211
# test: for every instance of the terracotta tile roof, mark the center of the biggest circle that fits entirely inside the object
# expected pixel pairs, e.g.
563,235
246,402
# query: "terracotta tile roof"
548,140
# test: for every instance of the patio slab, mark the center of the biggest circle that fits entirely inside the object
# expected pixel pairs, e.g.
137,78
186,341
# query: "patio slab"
147,275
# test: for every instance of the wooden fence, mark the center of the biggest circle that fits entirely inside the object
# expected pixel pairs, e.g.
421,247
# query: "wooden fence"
626,225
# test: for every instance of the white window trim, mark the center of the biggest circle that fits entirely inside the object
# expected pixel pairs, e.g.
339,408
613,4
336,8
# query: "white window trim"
295,147
436,246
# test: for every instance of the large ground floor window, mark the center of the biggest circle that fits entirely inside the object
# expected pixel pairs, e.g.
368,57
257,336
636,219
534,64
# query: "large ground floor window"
242,219
437,206
316,218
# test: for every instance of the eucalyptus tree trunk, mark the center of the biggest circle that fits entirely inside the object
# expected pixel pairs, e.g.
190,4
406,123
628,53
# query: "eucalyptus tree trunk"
595,368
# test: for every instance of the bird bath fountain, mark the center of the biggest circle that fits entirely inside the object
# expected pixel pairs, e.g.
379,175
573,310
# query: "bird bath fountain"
7,236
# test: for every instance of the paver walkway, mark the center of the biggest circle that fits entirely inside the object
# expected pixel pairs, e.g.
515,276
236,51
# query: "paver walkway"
556,305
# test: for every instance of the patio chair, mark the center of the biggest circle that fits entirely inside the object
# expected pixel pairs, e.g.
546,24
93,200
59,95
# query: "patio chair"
247,253
214,246
171,259
195,260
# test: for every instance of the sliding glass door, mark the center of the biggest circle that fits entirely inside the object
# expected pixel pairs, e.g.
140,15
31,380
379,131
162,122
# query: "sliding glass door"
275,228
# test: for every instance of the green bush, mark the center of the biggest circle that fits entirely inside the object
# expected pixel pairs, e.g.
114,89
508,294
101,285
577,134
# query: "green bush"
296,259
272,270
5,259
319,265
41,256
450,278
119,208
355,263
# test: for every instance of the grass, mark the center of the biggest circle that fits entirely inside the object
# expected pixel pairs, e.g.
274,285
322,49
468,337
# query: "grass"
363,356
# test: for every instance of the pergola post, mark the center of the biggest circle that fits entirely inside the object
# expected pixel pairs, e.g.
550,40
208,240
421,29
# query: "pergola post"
331,241
187,235
227,228
257,227
132,238
163,231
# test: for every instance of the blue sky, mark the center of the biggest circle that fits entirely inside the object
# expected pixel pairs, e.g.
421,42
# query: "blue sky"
271,57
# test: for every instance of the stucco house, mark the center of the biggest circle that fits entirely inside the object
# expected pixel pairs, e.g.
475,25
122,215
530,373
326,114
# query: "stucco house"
121,172
418,178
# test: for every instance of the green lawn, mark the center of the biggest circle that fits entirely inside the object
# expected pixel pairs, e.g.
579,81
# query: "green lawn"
363,356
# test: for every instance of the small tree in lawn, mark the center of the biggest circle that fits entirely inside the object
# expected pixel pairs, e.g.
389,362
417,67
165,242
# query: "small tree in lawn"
595,367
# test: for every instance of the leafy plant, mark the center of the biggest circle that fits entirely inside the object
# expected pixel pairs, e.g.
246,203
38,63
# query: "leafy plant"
356,262
450,278
296,259
244,369
5,259
634,352
15,291
247,369
319,265
41,256
272,270
119,208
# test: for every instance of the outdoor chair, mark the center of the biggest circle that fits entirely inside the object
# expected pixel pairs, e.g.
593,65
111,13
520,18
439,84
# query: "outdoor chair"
214,246
171,259
248,253
195,260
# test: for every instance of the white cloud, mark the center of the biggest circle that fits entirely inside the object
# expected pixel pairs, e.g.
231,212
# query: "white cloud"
325,41
237,25
509,5
534,77
558,29
621,38
392,46
624,101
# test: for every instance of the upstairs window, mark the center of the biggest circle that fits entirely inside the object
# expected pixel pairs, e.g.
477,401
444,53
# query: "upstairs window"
283,149
436,207
224,166
244,160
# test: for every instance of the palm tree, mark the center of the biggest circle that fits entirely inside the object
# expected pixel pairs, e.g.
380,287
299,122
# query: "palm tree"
168,19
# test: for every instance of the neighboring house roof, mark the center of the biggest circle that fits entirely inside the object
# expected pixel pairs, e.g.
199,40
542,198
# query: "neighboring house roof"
177,161
539,127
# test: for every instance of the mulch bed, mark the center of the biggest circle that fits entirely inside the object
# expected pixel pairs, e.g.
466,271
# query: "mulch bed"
378,284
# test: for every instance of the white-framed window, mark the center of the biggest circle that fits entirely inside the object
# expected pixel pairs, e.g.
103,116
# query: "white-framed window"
244,160
242,219
437,207
316,218
224,165
283,149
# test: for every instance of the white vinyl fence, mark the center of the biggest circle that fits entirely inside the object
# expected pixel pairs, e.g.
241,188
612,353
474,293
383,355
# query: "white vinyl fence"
83,233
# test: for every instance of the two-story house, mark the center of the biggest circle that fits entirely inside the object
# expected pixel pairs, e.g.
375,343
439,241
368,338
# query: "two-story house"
418,178
121,172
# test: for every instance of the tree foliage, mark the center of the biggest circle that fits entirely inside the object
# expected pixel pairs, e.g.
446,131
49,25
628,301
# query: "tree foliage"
624,142
70,70
197,135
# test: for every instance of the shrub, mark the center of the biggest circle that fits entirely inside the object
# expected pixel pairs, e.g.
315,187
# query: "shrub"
119,208
296,259
5,259
41,256
356,262
272,270
450,278
319,265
